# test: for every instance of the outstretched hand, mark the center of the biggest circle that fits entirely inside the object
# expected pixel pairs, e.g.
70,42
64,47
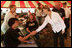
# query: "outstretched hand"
33,33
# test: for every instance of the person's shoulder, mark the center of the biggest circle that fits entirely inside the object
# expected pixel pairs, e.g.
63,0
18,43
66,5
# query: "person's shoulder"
68,9
46,17
62,8
8,12
53,7
9,30
55,13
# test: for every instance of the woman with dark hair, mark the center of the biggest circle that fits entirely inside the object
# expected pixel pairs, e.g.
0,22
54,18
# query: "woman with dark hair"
32,25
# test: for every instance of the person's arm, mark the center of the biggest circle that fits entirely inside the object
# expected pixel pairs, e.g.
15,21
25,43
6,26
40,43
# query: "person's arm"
23,39
36,24
27,29
41,27
18,36
70,16
63,14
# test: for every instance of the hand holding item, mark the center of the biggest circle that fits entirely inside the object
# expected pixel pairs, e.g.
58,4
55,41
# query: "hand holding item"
33,33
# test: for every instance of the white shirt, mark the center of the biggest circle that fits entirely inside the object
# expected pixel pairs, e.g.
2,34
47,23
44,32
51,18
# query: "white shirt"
38,12
5,26
56,22
67,12
8,16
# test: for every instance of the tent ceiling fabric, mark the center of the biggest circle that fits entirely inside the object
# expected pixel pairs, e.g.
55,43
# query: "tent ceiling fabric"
30,4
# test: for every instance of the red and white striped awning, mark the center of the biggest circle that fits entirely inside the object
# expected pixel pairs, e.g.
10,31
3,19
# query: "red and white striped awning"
30,4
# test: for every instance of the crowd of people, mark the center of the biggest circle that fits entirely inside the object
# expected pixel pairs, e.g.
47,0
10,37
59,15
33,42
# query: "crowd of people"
59,19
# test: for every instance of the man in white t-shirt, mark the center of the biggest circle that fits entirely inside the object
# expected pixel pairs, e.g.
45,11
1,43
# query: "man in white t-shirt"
10,14
67,17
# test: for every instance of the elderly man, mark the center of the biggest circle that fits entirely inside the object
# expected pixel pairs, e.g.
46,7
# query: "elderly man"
10,14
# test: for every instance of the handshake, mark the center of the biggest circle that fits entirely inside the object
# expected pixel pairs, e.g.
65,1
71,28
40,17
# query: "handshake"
33,33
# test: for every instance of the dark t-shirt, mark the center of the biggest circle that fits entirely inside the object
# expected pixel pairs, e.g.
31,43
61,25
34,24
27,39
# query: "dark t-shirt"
61,11
11,36
32,25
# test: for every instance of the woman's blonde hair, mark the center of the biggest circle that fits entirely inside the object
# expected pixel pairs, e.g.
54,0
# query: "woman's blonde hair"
46,7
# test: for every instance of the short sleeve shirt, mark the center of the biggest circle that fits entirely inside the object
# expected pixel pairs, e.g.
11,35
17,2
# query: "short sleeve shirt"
11,36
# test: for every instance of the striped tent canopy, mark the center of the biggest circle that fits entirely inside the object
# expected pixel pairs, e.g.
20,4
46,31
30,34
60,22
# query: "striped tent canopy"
30,4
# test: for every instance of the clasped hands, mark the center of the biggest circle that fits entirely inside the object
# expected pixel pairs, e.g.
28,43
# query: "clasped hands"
33,33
